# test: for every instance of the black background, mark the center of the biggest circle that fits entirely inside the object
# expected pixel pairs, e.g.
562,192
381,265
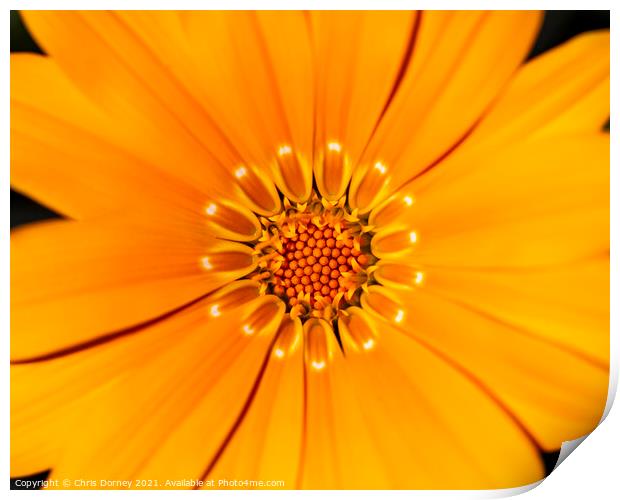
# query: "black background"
558,27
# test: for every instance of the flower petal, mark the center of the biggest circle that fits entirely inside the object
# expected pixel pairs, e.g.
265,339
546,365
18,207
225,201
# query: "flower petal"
101,53
73,282
255,69
46,396
461,61
207,370
324,448
556,394
75,157
267,444
390,415
567,305
231,381
537,203
359,56
563,91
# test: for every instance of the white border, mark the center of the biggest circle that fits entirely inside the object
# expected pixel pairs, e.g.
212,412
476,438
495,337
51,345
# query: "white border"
316,4
587,473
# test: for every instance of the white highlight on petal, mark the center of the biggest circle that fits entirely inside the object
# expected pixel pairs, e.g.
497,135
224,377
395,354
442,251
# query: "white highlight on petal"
413,237
240,172
248,330
419,278
399,316
206,263
408,200
369,344
211,209
318,365
285,150
334,146
380,167
279,353
215,310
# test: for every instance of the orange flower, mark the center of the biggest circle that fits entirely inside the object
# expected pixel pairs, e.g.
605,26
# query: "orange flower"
329,249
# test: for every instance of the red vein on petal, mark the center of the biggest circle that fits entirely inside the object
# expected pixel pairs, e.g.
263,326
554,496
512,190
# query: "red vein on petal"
242,414
162,102
172,78
476,381
269,67
404,66
456,145
582,356
109,337
521,270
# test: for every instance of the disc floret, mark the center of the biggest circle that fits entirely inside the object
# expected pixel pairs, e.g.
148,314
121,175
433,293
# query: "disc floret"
316,257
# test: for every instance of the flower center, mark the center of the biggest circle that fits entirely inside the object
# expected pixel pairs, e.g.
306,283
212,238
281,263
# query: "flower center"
315,256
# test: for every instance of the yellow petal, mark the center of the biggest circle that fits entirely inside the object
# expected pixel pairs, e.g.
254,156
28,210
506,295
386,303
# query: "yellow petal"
73,282
267,444
391,415
556,394
338,450
359,57
50,400
567,305
399,276
70,154
461,61
255,70
231,221
230,382
541,202
121,72
187,384
563,91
